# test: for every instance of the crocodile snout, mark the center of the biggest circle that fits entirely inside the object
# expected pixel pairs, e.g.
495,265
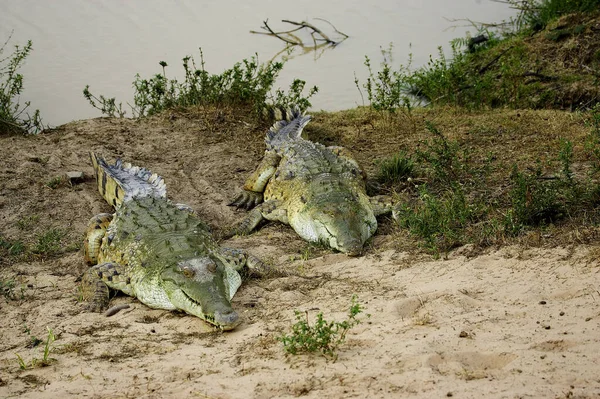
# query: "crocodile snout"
227,320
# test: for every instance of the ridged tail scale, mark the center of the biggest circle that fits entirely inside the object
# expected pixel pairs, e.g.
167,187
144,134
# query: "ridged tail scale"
122,182
289,128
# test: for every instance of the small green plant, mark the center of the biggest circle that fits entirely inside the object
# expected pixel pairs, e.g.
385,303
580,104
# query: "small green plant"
10,247
28,222
440,220
322,336
248,83
444,159
55,182
46,360
388,89
49,243
535,201
14,117
396,168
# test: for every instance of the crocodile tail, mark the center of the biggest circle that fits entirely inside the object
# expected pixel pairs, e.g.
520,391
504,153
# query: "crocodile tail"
122,182
289,127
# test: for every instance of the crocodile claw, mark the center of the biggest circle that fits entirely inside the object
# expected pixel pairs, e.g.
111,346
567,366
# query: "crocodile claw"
247,200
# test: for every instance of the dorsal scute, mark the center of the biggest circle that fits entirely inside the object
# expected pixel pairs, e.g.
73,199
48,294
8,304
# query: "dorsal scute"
289,127
122,182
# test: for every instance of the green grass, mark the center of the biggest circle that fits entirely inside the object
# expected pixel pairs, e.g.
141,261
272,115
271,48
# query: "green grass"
14,116
395,169
49,243
322,336
46,360
247,83
10,247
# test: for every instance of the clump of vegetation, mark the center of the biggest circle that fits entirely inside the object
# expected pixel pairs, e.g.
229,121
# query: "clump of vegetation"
322,336
15,117
521,67
11,247
396,168
49,243
458,195
441,219
537,14
46,360
248,83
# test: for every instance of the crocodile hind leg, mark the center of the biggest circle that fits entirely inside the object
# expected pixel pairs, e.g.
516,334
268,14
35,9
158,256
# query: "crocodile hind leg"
94,289
94,235
270,210
253,189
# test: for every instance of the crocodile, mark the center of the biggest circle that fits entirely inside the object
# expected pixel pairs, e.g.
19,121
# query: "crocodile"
319,191
157,251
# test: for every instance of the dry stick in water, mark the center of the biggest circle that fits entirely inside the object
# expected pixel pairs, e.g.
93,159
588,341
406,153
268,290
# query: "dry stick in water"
294,40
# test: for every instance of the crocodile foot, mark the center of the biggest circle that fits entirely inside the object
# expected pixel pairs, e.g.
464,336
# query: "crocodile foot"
247,200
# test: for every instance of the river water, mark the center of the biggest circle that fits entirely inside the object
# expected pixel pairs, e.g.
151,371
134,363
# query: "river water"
105,43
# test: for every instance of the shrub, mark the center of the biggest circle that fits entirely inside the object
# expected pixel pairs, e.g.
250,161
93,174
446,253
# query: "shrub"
14,117
248,83
323,336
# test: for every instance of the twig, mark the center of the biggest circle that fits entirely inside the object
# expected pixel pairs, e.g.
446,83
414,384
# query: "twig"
289,37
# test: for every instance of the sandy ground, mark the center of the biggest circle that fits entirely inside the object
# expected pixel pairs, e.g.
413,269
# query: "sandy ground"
512,322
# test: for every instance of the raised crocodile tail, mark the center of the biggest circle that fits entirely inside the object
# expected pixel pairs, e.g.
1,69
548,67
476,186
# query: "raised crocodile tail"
121,182
288,128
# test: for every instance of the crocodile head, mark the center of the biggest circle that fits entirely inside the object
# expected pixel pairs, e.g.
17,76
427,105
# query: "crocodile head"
342,224
198,286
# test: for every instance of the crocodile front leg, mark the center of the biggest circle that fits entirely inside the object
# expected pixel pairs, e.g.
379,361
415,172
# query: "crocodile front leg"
238,258
94,235
270,210
255,184
95,284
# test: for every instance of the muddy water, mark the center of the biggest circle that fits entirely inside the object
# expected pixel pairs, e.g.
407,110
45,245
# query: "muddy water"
104,44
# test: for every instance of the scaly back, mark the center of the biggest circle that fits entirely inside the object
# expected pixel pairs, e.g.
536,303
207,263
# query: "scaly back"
289,128
122,182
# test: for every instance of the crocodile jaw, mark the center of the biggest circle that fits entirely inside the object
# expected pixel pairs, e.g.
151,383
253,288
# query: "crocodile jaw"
197,286
342,228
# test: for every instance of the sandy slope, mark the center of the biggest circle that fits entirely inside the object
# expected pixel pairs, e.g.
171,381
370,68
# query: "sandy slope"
509,323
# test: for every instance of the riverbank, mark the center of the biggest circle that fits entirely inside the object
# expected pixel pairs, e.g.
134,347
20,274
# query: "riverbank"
508,318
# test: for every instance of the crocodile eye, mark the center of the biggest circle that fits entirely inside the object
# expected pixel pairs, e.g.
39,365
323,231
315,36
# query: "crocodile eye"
187,272
211,267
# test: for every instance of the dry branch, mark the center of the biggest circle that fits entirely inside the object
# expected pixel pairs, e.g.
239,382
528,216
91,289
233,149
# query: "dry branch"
318,36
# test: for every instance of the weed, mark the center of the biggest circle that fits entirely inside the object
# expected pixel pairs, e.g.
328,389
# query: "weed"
248,83
534,199
11,248
15,118
396,168
443,158
388,89
55,182
49,243
440,220
27,222
323,336
46,360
